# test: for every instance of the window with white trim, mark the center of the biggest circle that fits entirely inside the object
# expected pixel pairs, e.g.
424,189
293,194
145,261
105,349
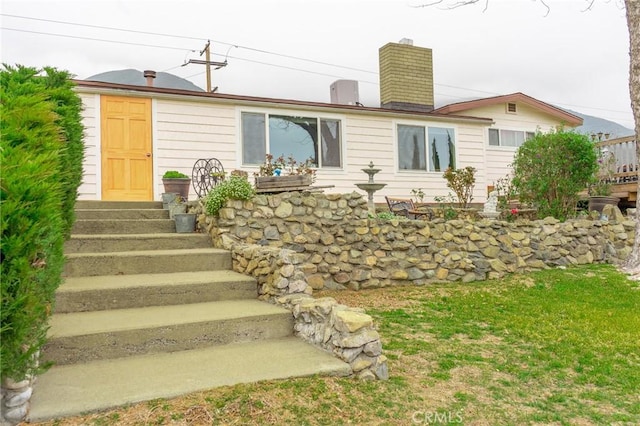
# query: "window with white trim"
302,138
426,148
512,138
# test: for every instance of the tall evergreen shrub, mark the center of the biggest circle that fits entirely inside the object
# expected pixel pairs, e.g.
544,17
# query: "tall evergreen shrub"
68,107
33,189
551,169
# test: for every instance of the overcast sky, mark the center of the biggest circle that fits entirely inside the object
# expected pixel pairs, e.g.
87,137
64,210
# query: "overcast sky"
569,57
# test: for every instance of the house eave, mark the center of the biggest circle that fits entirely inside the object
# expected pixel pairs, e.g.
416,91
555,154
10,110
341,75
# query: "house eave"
560,114
224,98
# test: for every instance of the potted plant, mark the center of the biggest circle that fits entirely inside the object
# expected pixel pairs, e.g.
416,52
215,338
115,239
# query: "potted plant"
600,189
176,182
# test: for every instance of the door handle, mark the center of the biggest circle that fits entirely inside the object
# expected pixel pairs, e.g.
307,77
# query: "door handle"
148,154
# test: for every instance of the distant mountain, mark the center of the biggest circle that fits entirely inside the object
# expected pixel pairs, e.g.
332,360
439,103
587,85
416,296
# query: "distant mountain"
136,78
595,125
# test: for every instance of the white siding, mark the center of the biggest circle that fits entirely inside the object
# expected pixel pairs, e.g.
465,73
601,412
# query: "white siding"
528,119
187,131
89,188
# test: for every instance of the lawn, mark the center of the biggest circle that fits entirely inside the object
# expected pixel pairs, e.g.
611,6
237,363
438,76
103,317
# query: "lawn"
554,347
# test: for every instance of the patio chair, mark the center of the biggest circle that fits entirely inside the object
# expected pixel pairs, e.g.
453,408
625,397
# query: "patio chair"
405,207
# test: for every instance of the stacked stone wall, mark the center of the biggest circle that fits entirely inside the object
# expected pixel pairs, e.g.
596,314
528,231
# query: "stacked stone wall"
346,332
339,246
295,242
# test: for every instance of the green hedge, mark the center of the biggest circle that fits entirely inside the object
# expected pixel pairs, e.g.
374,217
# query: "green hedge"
40,177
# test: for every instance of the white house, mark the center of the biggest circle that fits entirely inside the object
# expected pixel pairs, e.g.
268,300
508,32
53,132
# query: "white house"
134,133
516,117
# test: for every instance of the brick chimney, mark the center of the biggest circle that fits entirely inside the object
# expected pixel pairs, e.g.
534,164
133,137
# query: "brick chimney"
406,76
150,76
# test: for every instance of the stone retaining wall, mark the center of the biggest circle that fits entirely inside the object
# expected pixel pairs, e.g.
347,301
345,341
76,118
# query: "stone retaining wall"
295,242
14,400
340,247
346,332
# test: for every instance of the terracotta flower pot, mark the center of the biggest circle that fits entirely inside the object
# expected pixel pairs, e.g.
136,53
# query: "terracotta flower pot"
178,185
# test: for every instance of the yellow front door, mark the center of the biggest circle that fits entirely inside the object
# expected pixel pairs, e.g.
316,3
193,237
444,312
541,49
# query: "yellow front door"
127,166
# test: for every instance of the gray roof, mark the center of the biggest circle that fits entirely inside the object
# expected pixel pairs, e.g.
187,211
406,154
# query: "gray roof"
136,78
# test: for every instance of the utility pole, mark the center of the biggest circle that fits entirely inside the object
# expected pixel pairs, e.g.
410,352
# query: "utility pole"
207,58
207,62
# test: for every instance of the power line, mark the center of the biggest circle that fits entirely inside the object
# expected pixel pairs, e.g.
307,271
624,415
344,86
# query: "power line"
190,38
180,49
130,43
240,58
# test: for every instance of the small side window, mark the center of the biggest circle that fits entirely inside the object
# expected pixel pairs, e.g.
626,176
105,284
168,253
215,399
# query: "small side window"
494,137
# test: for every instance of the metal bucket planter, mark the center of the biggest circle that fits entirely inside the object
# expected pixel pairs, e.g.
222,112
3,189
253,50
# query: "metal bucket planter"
168,198
185,222
176,207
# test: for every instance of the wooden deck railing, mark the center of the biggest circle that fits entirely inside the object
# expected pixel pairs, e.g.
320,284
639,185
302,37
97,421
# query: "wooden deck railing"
624,151
625,178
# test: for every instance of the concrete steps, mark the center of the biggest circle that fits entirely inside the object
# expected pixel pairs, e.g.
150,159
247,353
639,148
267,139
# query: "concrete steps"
121,214
146,313
117,205
146,262
80,294
123,226
89,243
87,336
100,385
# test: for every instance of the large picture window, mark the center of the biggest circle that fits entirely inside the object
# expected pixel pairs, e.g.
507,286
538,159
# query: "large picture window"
300,137
512,138
426,148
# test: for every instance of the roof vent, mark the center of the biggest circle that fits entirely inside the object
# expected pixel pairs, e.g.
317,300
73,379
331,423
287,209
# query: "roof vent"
406,41
512,108
150,76
345,92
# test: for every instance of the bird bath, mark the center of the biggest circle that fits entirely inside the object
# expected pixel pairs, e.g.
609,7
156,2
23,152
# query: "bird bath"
371,187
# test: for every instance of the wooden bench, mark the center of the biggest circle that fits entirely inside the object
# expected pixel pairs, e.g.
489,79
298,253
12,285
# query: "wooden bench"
405,207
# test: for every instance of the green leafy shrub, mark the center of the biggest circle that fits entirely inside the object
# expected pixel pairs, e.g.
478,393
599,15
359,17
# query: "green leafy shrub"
33,192
445,205
384,216
461,181
235,187
174,174
551,169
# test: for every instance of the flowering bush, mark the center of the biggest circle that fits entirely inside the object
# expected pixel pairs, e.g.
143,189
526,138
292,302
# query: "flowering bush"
512,215
236,187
